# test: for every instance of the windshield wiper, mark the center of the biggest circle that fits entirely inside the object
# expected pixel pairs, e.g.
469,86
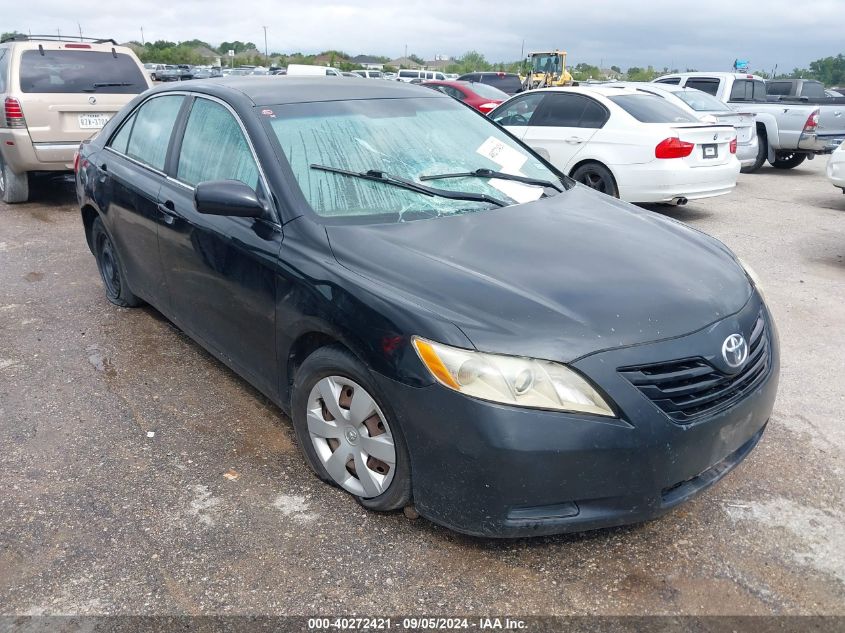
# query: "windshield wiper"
113,83
410,185
489,173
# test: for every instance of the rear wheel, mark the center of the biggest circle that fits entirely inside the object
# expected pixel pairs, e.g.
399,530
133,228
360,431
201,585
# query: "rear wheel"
762,154
598,177
347,431
788,160
114,281
13,187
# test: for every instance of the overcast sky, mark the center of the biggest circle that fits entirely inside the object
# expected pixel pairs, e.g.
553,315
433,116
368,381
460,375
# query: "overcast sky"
675,33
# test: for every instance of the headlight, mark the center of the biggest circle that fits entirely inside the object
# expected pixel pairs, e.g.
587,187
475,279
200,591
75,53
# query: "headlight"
524,382
755,278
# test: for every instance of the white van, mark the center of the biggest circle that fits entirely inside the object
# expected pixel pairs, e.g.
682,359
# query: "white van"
305,70
423,75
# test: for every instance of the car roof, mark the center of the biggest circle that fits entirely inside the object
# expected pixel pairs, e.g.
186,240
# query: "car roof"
281,89
717,74
606,90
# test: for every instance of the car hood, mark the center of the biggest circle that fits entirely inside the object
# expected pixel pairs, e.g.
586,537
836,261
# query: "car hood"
558,278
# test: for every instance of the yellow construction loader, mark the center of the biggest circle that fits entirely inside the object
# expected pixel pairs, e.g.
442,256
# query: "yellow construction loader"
547,69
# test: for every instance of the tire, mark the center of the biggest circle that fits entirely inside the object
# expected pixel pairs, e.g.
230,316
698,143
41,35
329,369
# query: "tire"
788,160
342,448
14,187
153,77
762,154
111,270
597,176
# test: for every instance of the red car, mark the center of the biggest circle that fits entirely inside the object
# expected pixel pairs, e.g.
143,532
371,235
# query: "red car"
480,96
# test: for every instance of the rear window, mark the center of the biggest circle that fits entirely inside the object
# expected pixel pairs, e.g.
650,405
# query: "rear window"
701,101
64,71
651,109
748,90
508,83
489,92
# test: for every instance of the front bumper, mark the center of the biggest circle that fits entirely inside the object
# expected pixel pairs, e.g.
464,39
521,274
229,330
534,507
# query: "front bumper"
493,470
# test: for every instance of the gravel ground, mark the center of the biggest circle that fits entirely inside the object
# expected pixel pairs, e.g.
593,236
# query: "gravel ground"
140,476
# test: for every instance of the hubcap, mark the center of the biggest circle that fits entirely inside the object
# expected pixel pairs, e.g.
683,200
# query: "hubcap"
351,436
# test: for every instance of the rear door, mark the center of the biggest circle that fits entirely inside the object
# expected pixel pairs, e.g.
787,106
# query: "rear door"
130,174
68,94
563,125
221,270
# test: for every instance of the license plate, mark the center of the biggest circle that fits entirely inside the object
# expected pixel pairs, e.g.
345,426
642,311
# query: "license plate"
93,120
711,151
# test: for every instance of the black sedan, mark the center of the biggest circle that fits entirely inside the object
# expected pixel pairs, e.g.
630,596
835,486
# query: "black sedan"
447,319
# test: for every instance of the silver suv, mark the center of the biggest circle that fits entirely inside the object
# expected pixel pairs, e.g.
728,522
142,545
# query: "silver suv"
55,94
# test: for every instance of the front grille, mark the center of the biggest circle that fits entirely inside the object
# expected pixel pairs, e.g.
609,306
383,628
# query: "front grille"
689,388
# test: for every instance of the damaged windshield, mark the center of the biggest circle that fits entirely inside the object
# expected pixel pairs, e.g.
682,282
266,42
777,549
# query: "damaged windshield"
331,145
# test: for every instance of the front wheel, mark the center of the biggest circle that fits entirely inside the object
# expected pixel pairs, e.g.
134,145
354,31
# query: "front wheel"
788,160
347,431
598,177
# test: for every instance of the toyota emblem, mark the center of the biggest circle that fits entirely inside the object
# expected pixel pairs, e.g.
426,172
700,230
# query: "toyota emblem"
735,350
92,100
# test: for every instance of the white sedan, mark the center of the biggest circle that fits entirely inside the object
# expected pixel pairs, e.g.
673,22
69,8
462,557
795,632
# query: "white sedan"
624,142
836,168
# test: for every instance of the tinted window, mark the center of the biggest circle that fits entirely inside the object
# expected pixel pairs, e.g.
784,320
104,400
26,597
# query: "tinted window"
408,73
748,90
651,109
517,112
778,88
66,71
710,86
671,80
812,89
506,83
214,147
152,128
570,110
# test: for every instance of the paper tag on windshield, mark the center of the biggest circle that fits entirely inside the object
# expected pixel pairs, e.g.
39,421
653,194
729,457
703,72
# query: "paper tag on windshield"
510,162
507,157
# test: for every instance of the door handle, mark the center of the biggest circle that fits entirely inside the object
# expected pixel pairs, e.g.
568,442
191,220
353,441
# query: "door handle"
168,211
574,140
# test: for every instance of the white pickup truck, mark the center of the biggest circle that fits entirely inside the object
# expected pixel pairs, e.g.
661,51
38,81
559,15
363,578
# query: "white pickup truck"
789,133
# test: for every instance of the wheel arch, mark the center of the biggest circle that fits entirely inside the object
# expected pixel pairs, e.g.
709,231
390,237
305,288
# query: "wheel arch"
595,161
89,214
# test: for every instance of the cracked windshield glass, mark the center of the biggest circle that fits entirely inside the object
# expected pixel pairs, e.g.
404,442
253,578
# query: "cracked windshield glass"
392,147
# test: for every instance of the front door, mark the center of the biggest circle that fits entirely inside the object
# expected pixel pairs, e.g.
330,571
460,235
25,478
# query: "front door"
562,126
221,270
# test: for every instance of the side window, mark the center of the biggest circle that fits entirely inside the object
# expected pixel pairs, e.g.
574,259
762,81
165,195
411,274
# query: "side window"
594,116
561,110
214,147
120,140
151,130
669,80
705,84
440,76
519,111
778,88
812,89
4,68
454,93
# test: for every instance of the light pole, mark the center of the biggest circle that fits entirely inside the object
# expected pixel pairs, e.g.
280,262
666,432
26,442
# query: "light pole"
266,56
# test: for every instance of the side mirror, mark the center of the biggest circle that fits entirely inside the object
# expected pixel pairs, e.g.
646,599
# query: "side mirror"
227,197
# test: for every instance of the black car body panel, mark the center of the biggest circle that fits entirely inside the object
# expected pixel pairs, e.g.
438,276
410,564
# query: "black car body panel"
575,278
515,280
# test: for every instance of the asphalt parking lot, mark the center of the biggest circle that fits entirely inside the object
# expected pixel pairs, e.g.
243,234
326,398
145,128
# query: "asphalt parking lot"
140,476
